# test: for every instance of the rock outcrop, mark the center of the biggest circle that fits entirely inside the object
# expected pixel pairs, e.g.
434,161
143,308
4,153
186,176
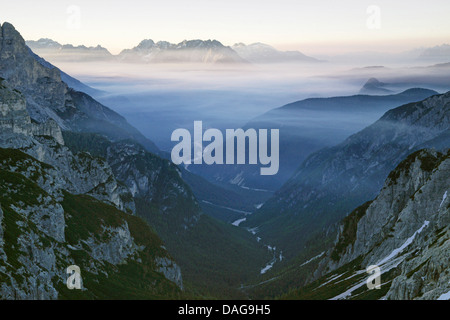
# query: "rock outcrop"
405,231
48,97
45,193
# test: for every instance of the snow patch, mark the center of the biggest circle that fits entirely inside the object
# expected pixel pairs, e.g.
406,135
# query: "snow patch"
254,189
238,179
312,259
389,262
258,206
408,241
443,199
268,266
238,222
445,296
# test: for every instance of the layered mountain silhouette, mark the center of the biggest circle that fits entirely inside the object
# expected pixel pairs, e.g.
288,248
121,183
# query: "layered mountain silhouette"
80,186
187,51
305,127
58,52
263,53
333,181
374,86
193,51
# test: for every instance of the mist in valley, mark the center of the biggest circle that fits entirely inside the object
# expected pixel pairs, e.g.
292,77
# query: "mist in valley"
159,98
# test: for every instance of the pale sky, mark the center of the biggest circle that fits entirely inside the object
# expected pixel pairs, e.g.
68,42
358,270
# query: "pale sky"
309,26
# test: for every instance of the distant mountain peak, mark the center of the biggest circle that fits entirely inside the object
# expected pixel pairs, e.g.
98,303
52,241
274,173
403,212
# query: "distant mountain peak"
192,51
374,81
55,51
49,97
263,53
374,86
146,43
200,43
44,43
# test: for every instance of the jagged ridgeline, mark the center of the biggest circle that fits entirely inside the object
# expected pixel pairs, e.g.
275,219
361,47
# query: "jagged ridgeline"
81,186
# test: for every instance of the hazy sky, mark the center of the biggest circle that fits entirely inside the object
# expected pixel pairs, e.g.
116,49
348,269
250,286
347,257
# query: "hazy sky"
309,26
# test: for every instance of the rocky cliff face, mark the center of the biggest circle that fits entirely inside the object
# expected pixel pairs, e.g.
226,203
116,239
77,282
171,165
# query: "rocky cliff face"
95,190
80,173
48,97
402,205
155,183
58,209
404,231
14,115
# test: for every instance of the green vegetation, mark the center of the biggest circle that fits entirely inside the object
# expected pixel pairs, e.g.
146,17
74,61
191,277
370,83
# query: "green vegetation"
136,277
348,235
215,258
217,196
95,144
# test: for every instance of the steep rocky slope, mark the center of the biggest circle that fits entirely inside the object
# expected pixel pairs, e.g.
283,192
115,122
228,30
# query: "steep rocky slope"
215,258
404,231
96,153
59,209
48,97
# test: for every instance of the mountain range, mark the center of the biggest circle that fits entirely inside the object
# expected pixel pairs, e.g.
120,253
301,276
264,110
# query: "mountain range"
88,161
263,53
187,51
209,51
53,50
212,51
80,186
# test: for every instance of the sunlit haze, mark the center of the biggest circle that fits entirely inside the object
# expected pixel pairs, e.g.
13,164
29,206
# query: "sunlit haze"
313,27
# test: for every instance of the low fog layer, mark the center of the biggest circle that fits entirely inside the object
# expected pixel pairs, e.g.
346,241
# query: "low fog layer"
159,98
